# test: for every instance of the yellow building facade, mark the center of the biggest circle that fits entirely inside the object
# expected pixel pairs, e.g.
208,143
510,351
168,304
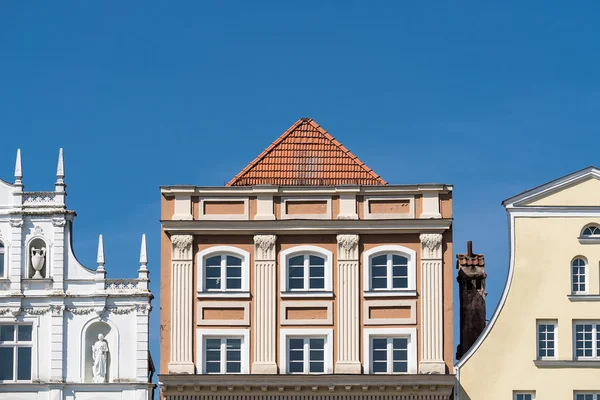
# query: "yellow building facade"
543,340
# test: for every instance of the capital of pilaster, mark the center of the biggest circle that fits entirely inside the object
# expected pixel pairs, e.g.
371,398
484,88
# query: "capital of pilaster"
264,246
182,247
431,245
347,247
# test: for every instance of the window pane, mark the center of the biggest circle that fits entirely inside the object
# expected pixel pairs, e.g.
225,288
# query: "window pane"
545,340
296,367
317,344
234,356
379,344
234,277
314,260
379,367
213,367
7,333
24,333
24,363
317,367
6,366
316,272
399,260
296,261
213,261
296,344
1,260
583,340
234,261
400,367
379,260
234,367
400,283
213,276
317,283
378,277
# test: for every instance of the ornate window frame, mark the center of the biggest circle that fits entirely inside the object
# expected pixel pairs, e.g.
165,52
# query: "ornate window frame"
285,255
5,252
221,250
410,254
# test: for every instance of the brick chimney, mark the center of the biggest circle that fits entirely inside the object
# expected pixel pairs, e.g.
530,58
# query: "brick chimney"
471,289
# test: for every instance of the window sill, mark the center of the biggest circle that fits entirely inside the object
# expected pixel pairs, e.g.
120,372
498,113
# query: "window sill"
584,297
390,293
567,363
221,295
305,294
589,240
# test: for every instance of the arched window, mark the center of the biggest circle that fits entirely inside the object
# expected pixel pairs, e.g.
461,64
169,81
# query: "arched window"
579,276
306,269
223,271
2,260
389,270
591,231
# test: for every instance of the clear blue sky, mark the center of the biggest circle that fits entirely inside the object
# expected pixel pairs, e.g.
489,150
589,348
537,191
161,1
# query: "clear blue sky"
494,99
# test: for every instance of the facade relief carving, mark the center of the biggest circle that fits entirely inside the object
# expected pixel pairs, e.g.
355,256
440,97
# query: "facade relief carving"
265,246
182,247
348,246
431,244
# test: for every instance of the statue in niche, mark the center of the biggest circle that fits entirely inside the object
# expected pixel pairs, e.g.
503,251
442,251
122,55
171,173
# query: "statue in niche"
37,261
99,357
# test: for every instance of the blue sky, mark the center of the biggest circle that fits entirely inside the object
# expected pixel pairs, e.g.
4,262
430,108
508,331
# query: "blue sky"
493,98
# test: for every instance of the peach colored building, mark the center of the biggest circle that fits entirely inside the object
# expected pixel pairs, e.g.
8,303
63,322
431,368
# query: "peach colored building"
306,276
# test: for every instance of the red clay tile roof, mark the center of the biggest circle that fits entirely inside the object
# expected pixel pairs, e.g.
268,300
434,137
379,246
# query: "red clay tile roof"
306,155
474,260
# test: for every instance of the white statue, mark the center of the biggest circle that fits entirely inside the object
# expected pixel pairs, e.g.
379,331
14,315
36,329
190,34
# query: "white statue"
99,356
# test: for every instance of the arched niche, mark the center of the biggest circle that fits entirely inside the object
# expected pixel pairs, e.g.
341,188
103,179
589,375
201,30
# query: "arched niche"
89,338
37,259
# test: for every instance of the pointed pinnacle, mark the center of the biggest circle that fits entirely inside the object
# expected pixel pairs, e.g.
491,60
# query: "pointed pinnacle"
143,252
60,169
100,259
18,169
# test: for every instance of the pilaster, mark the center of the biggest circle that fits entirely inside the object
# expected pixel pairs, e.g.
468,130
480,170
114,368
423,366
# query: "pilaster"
58,254
16,254
142,338
265,310
56,343
432,323
348,306
181,305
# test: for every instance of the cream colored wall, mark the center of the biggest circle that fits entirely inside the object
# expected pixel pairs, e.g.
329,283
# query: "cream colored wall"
540,286
580,194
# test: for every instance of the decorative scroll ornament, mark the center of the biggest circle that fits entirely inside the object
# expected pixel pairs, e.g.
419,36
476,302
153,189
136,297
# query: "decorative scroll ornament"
59,222
143,308
431,242
182,244
57,309
16,223
265,243
348,244
38,230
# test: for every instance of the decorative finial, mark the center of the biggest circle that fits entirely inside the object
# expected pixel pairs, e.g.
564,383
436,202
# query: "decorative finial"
100,259
143,252
18,169
60,169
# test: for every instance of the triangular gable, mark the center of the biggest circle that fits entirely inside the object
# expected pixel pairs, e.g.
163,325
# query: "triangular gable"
306,155
579,189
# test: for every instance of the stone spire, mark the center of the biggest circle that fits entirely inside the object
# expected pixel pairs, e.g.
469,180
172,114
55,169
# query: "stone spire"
18,169
100,259
143,271
60,169
60,186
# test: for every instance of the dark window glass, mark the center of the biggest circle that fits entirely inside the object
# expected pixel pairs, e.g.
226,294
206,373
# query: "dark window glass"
24,363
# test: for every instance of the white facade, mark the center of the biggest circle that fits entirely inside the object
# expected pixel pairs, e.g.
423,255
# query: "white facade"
52,308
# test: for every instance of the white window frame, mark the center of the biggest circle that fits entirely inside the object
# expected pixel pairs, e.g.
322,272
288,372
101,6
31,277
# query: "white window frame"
285,255
554,323
516,393
16,344
285,334
587,276
409,333
409,254
201,257
589,239
4,274
202,334
595,330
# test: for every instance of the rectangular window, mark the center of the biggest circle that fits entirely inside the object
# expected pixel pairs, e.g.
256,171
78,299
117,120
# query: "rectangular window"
587,340
2,258
587,396
389,355
524,396
306,355
223,355
546,340
223,273
15,352
306,272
